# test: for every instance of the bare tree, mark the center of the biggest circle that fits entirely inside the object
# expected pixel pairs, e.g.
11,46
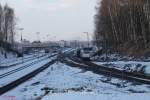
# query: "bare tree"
1,22
123,24
7,27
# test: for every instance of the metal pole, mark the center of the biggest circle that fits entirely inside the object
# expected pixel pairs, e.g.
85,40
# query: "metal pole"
22,45
39,41
88,39
21,29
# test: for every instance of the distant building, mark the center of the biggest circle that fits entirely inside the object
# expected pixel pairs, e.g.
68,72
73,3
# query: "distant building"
25,42
36,42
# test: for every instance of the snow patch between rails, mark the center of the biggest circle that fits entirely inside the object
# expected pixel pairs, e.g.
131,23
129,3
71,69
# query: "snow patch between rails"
62,82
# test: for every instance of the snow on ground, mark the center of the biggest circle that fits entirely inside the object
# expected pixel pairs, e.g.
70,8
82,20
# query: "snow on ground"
128,65
91,96
131,64
4,70
112,57
9,56
14,60
39,62
62,82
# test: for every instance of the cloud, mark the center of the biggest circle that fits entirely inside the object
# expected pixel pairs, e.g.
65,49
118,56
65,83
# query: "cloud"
66,19
69,3
52,5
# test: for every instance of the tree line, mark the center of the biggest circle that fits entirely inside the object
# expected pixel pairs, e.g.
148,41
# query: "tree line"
123,24
7,25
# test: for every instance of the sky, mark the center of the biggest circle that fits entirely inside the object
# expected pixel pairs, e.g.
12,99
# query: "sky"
54,19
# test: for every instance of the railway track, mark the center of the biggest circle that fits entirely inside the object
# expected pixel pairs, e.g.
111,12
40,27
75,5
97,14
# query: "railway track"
109,72
13,60
21,61
23,67
19,81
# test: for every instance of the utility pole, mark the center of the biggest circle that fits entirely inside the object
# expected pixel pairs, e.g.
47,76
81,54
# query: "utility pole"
88,38
21,38
37,33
